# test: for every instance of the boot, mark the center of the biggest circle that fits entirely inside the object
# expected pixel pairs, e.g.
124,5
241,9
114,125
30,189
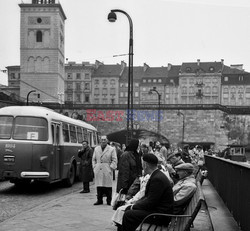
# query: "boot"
99,196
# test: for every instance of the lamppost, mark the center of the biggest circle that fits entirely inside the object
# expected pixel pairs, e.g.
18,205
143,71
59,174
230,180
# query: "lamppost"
159,108
112,18
183,125
27,102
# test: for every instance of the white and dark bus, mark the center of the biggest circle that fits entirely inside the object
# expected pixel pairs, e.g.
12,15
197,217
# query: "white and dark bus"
37,143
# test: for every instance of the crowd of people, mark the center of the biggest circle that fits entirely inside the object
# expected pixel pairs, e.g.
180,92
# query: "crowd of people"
152,177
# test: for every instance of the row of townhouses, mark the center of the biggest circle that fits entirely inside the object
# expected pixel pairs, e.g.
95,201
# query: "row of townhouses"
189,83
42,69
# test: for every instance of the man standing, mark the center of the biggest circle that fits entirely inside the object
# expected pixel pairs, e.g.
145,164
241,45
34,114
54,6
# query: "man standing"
104,161
86,169
158,196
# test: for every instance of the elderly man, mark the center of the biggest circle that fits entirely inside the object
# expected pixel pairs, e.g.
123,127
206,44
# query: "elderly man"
158,196
104,161
184,188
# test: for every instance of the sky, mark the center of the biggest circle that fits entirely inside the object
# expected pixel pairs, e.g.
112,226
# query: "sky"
164,31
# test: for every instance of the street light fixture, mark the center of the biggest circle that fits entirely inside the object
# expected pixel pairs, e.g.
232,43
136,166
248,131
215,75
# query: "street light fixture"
27,102
159,108
112,18
183,125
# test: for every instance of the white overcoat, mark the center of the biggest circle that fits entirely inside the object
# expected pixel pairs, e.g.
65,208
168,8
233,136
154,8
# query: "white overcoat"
104,162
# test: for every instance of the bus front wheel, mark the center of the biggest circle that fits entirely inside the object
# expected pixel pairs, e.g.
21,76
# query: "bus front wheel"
69,181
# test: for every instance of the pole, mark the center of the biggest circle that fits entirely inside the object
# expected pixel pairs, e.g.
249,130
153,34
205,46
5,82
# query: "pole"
130,76
159,110
27,101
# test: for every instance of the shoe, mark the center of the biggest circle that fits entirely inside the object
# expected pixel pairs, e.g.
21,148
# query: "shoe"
85,191
98,203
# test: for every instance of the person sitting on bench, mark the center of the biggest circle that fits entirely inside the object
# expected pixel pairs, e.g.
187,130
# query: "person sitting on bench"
185,188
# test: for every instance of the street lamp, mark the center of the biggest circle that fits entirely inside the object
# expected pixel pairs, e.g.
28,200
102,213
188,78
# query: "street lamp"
27,102
112,18
183,125
159,107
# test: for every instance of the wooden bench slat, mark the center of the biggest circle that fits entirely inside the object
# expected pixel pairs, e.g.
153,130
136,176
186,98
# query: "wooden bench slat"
178,222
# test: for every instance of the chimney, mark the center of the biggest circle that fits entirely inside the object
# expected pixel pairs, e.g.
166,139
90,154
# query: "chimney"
198,62
169,66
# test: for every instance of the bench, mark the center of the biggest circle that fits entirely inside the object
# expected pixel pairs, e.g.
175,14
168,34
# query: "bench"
178,222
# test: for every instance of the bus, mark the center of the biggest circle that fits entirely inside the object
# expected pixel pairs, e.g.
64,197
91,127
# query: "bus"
39,144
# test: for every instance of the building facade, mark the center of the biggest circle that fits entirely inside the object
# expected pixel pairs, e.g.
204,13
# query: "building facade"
42,50
189,83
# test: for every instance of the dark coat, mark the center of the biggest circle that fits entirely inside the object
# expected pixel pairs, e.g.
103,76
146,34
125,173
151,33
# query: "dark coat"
158,195
86,170
128,171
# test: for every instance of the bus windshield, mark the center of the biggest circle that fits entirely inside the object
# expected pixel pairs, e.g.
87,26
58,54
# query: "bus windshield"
30,128
5,126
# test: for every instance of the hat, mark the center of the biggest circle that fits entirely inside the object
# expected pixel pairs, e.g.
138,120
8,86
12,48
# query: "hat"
185,166
150,158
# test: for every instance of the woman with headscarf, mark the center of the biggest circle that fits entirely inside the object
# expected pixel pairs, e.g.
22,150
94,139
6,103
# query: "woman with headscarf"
130,167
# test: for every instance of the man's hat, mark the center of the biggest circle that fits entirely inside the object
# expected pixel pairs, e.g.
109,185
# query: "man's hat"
150,158
185,166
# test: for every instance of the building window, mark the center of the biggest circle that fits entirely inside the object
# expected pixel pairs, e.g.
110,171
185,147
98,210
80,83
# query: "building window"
69,86
240,78
144,80
105,101
78,98
104,91
154,80
78,75
149,80
112,101
215,90
87,86
112,82
136,94
69,97
12,76
96,101
104,82
136,84
121,84
96,81
87,76
96,91
184,90
225,78
121,94
86,98
159,80
39,36
78,86
69,76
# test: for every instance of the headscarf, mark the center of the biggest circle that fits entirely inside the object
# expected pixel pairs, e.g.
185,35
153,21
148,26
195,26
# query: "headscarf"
133,145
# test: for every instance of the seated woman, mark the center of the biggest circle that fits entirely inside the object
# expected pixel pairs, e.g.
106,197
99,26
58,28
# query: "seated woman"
118,215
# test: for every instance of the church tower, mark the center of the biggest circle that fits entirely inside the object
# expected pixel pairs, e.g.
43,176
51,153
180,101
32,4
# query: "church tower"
42,51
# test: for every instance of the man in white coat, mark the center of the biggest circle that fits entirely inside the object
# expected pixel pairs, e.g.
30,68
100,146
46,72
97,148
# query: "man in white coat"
104,161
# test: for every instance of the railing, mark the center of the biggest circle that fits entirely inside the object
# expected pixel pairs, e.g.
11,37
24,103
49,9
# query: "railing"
231,180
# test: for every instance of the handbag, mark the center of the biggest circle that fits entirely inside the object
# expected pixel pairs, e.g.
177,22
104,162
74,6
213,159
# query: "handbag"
118,200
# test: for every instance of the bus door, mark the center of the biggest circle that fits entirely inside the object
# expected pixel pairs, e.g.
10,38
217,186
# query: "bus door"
55,171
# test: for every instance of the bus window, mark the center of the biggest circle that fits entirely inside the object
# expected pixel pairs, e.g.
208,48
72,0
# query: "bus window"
90,138
52,132
79,135
65,132
85,134
30,128
72,130
94,139
57,134
5,126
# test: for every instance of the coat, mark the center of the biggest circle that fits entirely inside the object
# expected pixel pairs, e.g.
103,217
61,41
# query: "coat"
86,170
158,195
183,190
128,171
104,162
